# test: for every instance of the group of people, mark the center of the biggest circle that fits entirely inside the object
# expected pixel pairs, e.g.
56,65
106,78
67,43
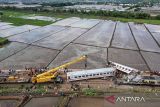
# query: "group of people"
34,71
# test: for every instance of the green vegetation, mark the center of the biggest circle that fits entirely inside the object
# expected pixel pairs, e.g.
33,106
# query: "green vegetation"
14,17
21,21
37,90
140,21
89,92
3,41
10,15
1,13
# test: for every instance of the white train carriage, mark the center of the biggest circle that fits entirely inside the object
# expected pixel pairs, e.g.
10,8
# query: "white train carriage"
88,74
124,68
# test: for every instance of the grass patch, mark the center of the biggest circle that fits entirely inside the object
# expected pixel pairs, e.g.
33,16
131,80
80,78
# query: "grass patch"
89,92
14,17
21,21
140,21
3,41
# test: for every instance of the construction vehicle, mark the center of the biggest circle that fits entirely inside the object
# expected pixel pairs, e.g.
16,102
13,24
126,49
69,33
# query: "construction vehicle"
52,75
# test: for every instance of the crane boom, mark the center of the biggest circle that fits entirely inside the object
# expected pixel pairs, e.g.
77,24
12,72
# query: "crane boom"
52,73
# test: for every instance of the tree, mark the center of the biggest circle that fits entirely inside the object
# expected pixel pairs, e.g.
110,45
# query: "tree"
158,17
1,13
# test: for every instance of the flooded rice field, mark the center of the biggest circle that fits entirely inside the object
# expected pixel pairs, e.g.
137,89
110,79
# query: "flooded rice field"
123,37
42,102
87,102
96,56
10,49
152,60
4,23
127,57
144,39
148,100
85,23
6,27
8,103
37,34
32,56
44,18
135,45
155,31
67,22
17,30
100,35
61,39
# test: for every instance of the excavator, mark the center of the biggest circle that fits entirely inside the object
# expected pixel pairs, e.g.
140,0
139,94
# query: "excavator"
52,75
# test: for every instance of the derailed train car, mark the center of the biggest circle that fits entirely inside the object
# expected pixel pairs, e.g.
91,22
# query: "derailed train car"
93,73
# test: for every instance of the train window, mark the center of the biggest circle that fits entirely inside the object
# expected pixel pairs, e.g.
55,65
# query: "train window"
104,73
94,74
90,75
97,74
86,75
68,77
75,77
79,76
100,73
83,75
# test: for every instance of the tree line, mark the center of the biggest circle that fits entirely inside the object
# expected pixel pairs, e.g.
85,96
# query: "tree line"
122,14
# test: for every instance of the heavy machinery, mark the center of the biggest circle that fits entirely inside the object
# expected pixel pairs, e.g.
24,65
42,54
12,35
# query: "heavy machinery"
52,75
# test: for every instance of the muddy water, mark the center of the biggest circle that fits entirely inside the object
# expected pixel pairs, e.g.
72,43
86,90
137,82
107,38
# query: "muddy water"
16,30
6,27
85,23
67,21
153,60
8,103
123,37
143,38
29,37
61,39
100,35
87,102
30,57
43,102
10,49
150,100
155,31
96,56
4,23
127,57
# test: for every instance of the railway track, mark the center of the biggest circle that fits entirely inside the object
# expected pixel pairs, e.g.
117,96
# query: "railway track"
25,83
140,84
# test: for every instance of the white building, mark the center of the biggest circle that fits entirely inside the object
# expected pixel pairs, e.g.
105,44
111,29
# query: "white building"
88,74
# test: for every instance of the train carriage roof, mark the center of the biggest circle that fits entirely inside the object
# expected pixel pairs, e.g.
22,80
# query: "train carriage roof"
92,71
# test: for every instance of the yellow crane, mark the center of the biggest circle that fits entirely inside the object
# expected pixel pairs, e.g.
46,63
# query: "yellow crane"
52,74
